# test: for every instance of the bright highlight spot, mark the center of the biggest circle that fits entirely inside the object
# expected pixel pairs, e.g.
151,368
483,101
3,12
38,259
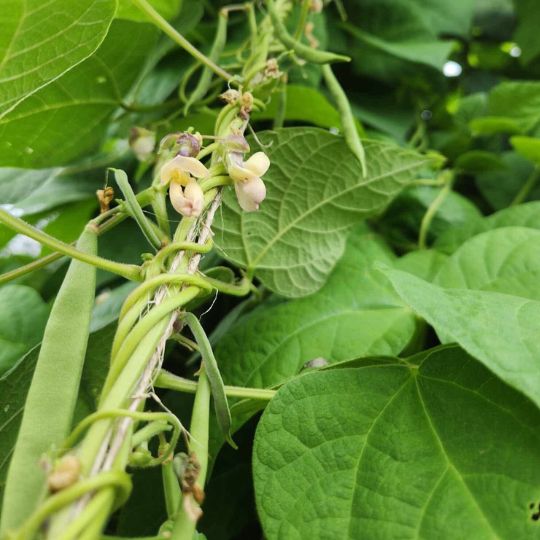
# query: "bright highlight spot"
515,52
452,69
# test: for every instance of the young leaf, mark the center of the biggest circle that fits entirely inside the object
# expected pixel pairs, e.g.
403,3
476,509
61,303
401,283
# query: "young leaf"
433,448
41,41
355,314
315,192
500,330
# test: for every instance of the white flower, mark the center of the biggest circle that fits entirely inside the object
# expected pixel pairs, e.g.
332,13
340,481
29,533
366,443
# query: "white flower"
242,171
181,169
186,194
187,201
250,194
249,187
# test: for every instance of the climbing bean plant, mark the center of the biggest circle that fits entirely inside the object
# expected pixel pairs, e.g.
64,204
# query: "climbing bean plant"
269,269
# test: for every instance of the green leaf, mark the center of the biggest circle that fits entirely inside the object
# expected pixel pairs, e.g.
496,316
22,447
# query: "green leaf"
315,193
41,41
13,389
403,218
32,191
168,9
513,106
498,329
355,314
68,118
433,448
528,147
501,187
523,215
424,263
22,321
505,260
108,305
430,52
528,14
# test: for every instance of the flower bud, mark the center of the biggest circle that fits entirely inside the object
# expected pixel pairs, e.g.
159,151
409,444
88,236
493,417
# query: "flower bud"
236,143
142,142
189,201
250,194
189,145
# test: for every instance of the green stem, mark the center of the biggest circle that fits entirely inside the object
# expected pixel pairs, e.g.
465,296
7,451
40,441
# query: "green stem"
432,211
173,382
171,488
279,119
148,432
159,206
527,187
241,289
184,526
178,38
141,329
129,271
30,267
304,10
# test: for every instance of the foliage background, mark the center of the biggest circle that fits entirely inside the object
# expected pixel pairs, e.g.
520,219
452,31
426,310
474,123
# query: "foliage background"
454,78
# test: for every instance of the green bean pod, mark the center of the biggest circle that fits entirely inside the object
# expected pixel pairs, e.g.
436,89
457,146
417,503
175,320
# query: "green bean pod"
51,399
303,51
347,119
215,52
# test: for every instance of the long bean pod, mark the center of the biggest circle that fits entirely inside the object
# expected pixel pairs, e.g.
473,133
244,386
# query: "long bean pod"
347,118
51,399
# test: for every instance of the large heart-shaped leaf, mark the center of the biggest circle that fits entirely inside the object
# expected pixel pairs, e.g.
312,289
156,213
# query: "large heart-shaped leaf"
435,447
500,330
504,260
66,119
355,314
316,191
42,40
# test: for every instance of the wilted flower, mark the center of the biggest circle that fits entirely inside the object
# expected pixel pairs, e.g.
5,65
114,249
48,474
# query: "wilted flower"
186,195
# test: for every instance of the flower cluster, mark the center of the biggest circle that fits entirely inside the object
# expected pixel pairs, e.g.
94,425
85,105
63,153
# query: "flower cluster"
182,172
